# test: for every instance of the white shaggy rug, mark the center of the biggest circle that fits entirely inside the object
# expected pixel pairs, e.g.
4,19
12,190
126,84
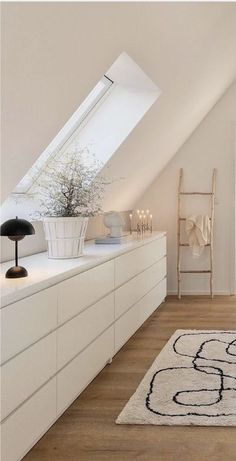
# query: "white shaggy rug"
191,382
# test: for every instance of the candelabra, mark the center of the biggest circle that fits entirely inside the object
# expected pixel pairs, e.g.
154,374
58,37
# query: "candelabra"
143,222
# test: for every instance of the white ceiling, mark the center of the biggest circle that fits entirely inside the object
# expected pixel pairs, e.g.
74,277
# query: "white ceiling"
54,53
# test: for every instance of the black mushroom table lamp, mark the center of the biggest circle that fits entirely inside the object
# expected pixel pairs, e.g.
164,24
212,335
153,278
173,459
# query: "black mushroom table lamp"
16,229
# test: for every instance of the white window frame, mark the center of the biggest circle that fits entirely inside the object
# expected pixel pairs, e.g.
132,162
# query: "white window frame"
67,133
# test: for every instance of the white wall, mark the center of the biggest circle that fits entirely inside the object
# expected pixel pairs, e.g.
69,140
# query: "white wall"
211,145
53,54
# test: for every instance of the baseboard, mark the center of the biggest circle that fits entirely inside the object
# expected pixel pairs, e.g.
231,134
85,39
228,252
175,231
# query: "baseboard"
199,293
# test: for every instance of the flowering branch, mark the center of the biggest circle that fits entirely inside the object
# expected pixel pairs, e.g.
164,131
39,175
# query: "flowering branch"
71,186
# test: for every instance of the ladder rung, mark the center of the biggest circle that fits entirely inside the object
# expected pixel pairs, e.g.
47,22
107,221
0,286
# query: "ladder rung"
196,193
187,245
195,272
184,219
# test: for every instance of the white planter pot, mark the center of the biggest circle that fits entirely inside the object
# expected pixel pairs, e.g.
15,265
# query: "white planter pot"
65,236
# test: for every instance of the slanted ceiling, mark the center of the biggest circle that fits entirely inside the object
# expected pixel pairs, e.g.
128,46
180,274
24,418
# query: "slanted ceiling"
53,54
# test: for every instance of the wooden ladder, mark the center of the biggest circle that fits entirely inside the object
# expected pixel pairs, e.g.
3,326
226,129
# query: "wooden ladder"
211,195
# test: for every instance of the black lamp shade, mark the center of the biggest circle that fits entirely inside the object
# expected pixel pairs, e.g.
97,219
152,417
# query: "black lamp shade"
16,228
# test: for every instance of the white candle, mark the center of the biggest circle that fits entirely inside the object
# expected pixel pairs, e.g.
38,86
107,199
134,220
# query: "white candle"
141,222
138,212
130,217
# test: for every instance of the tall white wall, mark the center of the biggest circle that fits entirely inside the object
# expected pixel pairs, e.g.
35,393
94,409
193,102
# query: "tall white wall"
54,53
211,145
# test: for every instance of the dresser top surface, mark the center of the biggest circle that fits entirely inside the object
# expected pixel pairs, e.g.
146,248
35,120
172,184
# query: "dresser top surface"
44,272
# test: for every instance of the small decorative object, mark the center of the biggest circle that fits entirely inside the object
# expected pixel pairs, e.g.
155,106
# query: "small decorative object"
70,190
143,222
115,222
16,229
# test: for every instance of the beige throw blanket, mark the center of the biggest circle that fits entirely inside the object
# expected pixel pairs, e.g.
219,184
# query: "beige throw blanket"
198,228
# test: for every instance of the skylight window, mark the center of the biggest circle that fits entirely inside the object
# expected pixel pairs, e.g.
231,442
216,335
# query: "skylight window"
68,132
98,127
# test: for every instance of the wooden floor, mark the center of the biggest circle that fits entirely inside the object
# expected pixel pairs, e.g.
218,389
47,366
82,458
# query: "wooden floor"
87,430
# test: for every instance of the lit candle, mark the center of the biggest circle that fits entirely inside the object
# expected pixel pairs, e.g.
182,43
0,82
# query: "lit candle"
147,211
138,212
141,222
151,222
142,211
130,217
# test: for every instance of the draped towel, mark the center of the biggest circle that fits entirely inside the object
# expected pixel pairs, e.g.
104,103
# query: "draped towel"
198,229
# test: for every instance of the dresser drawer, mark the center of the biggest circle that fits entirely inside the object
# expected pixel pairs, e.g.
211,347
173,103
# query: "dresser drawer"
27,320
151,301
24,427
84,289
136,261
77,375
137,287
28,371
126,325
81,330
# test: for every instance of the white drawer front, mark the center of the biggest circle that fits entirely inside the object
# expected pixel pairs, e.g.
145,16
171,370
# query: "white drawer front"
84,289
130,264
136,288
126,326
28,320
25,373
24,427
81,330
151,301
77,375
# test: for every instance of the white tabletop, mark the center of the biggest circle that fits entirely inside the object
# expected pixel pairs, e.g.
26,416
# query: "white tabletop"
44,272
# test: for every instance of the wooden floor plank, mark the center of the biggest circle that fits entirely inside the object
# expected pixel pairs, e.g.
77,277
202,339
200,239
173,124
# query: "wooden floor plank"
87,430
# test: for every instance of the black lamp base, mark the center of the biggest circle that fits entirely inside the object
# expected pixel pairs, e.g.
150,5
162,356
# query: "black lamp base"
16,272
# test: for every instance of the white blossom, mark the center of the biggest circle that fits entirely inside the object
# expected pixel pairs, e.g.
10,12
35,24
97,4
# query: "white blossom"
71,186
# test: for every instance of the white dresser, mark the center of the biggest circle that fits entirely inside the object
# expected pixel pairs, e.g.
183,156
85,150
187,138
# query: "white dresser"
61,325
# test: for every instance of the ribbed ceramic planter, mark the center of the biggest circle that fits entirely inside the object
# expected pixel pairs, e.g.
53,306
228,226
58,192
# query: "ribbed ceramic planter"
65,236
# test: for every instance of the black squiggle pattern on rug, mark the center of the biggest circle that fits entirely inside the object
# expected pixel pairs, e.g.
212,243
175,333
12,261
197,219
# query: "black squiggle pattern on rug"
213,395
